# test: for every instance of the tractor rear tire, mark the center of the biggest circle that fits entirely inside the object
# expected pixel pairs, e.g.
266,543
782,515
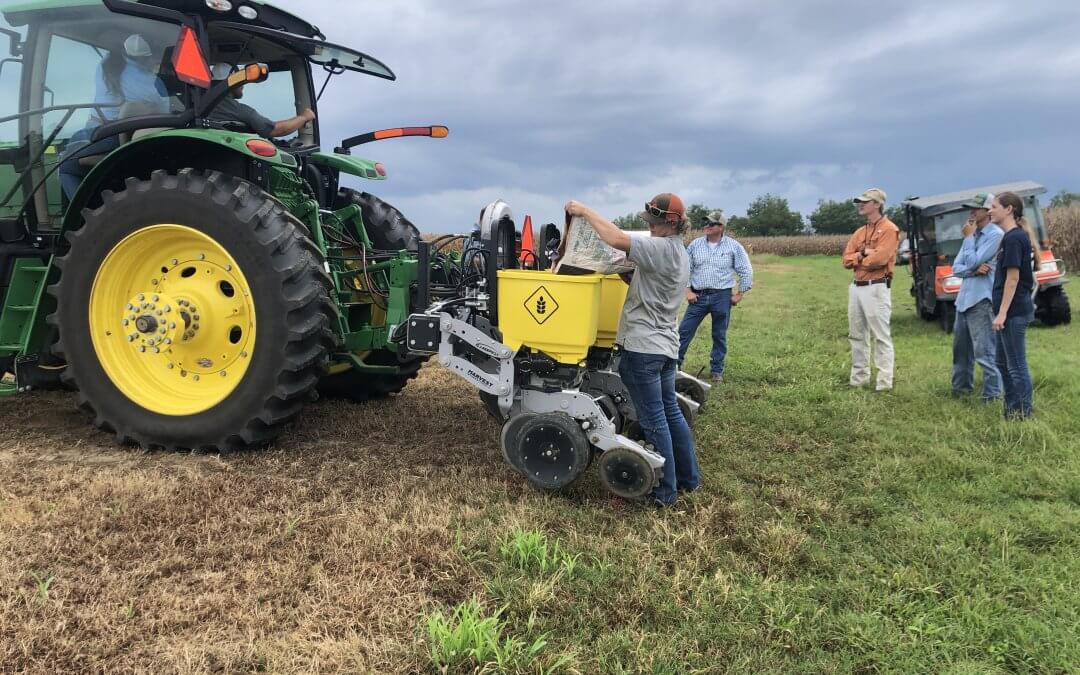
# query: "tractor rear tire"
357,386
388,228
1053,307
208,244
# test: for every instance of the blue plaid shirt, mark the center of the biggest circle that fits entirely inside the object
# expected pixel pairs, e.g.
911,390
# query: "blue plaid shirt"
716,266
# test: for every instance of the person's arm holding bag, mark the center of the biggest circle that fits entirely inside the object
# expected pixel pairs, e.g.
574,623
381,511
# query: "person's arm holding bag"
608,231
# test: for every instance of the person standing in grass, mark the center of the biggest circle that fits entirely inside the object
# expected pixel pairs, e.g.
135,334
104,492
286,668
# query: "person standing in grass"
715,259
1014,308
871,254
648,335
973,335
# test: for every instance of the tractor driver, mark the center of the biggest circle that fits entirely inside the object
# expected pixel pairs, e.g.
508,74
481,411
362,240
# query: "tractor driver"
231,110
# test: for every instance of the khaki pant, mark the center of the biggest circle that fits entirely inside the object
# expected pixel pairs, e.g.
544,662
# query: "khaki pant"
869,312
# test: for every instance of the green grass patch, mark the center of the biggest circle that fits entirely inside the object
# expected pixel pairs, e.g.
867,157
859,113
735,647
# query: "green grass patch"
839,530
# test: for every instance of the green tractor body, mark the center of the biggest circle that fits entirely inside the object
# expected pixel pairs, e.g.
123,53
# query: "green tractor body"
201,283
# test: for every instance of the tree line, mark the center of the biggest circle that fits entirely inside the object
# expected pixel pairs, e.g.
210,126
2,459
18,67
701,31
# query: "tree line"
770,215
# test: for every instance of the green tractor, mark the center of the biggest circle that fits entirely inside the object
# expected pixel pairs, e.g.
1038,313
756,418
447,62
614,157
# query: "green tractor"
201,283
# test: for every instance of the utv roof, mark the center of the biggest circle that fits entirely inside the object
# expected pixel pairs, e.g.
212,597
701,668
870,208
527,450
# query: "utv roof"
952,201
269,16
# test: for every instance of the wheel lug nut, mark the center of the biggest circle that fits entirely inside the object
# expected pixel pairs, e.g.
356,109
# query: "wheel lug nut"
153,282
224,374
167,309
202,256
155,298
195,377
175,261
195,327
183,373
169,366
126,322
141,297
131,338
168,341
157,350
172,325
142,348
228,268
196,317
131,307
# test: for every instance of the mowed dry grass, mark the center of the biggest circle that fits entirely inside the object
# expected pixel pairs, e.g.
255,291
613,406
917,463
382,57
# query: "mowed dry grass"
320,554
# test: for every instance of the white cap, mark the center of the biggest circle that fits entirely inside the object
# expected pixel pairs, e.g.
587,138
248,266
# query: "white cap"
137,46
221,71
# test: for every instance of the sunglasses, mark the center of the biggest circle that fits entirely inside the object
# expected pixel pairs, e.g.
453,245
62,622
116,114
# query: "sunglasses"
657,211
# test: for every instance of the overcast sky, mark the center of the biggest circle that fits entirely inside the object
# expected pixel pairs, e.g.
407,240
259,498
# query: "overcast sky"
717,101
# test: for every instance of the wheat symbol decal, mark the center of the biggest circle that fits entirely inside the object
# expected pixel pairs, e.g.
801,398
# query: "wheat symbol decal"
541,305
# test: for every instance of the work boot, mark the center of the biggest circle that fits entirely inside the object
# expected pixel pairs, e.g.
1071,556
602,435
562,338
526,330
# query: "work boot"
717,377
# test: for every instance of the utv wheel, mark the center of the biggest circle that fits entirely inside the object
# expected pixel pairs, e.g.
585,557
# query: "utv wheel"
947,316
1053,307
192,313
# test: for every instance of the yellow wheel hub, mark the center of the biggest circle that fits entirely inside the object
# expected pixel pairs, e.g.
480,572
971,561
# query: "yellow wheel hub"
172,320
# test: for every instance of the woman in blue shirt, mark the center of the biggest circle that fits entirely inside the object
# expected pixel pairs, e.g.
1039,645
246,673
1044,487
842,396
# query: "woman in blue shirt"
124,76
1014,309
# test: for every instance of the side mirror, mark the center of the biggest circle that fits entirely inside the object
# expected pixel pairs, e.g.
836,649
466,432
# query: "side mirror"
253,73
15,44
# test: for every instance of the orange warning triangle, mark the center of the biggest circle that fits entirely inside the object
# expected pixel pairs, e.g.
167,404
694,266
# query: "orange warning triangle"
527,257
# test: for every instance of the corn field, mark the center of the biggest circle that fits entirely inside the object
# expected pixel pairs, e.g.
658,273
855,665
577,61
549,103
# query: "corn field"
1063,225
832,244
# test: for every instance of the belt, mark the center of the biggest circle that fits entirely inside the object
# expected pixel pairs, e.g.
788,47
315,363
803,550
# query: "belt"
871,282
709,291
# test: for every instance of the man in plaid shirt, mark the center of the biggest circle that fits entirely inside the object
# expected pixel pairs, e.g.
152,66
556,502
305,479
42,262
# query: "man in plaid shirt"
715,260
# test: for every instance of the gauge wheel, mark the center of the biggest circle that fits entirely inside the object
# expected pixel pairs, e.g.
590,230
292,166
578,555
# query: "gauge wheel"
549,449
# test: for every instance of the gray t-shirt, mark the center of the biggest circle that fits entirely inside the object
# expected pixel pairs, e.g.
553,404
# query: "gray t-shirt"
231,110
649,321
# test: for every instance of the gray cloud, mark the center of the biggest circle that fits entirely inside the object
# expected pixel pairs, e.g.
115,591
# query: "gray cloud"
719,101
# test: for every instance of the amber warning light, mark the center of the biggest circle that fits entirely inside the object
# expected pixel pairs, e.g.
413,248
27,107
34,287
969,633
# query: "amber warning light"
396,132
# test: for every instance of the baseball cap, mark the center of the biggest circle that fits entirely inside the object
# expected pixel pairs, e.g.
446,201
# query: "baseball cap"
871,195
664,208
221,71
716,216
136,46
983,200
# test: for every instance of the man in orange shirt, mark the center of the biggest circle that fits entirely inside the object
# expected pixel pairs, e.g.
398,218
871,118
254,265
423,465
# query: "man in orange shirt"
871,253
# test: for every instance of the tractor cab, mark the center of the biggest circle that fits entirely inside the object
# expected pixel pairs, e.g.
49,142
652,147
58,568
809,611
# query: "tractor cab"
934,226
114,71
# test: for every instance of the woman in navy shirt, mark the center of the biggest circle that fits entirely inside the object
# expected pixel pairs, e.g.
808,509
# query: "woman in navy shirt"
1014,309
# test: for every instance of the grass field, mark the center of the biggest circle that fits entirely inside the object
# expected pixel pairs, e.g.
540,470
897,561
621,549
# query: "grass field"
839,530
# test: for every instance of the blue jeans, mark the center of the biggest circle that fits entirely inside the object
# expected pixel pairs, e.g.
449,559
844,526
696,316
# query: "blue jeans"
650,379
71,172
718,305
1012,362
974,342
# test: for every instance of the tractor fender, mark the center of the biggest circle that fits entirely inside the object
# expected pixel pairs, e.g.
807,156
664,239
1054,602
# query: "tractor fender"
354,166
171,150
